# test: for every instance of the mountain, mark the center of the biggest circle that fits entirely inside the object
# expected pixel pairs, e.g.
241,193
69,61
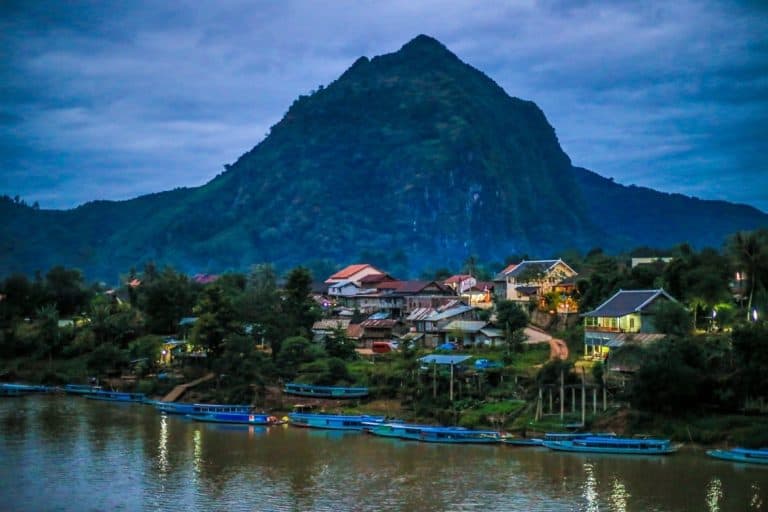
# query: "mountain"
409,160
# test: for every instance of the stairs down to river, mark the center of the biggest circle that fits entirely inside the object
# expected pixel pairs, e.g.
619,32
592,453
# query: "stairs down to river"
179,390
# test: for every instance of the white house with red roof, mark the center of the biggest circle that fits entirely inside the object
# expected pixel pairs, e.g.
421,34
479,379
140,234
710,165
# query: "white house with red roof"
354,273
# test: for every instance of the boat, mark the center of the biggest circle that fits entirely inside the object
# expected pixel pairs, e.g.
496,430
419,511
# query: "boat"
293,388
570,436
186,408
522,441
12,392
334,421
613,445
235,418
24,388
116,396
434,434
759,456
81,389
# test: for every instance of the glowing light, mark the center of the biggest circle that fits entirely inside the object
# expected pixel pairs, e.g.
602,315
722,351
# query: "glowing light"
754,315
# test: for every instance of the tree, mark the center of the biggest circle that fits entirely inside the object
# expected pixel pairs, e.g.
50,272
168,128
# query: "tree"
66,290
512,320
48,327
338,345
216,319
298,309
750,250
672,318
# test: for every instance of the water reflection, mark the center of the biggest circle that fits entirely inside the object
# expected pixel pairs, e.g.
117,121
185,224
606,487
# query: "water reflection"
590,488
619,496
154,462
714,493
755,501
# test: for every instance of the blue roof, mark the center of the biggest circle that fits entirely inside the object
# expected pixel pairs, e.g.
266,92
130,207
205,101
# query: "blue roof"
443,359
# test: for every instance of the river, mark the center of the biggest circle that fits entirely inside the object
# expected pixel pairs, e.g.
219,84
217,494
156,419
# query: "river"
71,454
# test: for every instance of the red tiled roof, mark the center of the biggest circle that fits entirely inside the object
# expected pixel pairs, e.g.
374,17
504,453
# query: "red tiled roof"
457,278
509,268
349,271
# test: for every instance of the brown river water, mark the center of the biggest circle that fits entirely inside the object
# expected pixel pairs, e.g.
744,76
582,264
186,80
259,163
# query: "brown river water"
71,454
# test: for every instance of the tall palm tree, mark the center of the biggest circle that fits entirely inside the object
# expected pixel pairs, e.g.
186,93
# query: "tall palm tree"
750,248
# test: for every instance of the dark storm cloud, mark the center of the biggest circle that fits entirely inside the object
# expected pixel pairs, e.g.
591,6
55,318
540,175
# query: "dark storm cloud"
112,100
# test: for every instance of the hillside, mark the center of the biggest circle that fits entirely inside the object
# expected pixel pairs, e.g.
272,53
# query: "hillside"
414,159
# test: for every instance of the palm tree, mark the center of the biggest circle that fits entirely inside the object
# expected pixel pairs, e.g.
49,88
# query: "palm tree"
750,249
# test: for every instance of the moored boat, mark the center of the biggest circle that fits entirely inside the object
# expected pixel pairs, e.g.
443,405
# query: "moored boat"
434,434
116,396
81,389
749,456
613,445
293,388
570,436
24,388
186,408
522,441
235,418
334,421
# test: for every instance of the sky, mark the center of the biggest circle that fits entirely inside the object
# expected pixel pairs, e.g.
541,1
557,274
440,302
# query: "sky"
111,100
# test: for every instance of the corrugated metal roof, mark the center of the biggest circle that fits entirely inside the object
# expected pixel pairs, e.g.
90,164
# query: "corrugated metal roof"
378,324
465,325
443,359
625,302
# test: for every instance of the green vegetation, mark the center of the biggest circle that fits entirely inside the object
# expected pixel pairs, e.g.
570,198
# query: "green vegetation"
696,383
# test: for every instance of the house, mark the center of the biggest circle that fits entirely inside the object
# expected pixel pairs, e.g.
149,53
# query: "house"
464,333
323,328
344,288
471,291
353,273
531,281
628,316
432,321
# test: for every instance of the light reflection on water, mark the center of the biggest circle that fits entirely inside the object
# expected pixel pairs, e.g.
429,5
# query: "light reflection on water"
131,458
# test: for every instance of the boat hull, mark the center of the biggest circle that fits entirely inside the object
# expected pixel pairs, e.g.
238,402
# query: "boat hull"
110,396
522,442
613,446
186,408
235,418
741,455
433,434
333,421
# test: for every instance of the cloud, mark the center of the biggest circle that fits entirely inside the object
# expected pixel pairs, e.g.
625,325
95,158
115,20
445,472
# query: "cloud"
105,100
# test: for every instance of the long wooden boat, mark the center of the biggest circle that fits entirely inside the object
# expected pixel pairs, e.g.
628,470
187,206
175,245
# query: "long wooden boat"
116,396
434,434
81,389
235,418
613,445
293,388
24,388
570,436
334,421
12,392
746,455
186,408
522,441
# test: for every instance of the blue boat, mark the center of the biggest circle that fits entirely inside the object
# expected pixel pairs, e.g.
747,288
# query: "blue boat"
293,388
570,436
333,421
613,445
235,418
24,388
746,455
435,434
185,408
116,396
81,389
522,441
12,392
